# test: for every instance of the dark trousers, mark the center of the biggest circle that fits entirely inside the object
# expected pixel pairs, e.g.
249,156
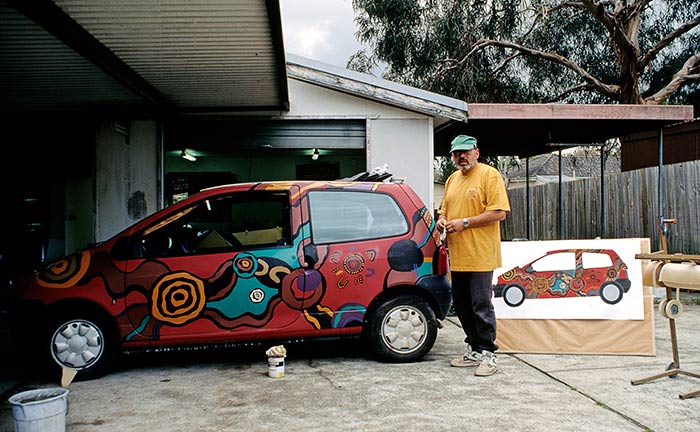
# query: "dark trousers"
471,300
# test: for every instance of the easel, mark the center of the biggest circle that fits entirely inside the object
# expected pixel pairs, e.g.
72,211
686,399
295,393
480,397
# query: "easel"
670,308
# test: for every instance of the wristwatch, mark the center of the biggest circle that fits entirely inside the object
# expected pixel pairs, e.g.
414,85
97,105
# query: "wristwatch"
465,222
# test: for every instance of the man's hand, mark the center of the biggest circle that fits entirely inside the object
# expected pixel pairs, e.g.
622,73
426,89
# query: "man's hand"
455,225
441,224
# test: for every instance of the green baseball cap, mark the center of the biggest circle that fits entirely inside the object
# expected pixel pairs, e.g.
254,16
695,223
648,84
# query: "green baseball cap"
463,142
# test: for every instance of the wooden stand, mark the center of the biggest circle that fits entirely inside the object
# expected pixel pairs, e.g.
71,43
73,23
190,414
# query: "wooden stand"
674,368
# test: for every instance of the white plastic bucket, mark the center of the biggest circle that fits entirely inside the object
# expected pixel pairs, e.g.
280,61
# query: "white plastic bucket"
40,410
275,367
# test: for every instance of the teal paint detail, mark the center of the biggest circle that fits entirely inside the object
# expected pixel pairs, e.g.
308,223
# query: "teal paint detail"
339,314
139,329
425,269
239,302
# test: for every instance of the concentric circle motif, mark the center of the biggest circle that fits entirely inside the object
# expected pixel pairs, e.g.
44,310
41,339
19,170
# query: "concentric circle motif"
302,289
354,264
611,273
577,284
257,295
540,284
509,275
178,298
245,265
66,272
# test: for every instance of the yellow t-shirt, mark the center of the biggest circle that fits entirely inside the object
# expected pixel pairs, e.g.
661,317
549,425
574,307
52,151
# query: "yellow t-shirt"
480,189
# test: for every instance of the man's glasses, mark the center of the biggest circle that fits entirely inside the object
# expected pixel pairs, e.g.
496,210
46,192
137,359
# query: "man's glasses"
459,152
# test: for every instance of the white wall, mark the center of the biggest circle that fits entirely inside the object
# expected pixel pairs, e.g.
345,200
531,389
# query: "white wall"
406,145
401,138
308,100
126,176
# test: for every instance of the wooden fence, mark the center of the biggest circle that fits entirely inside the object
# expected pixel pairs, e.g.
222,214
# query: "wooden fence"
631,208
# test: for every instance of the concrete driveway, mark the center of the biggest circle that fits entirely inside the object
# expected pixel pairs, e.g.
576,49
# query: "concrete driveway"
335,387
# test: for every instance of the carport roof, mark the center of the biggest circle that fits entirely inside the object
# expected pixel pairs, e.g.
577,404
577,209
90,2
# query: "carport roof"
531,129
133,56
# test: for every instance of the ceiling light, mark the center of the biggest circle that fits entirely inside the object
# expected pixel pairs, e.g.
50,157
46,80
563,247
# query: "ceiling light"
187,156
315,154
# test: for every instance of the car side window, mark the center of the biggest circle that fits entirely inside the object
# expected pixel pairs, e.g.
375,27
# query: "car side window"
596,260
340,216
554,262
231,223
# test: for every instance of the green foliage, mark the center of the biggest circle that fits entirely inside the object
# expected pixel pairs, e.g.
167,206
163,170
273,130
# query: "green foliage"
442,168
585,51
415,39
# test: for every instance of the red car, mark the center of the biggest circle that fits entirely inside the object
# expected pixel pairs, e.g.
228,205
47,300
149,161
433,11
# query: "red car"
253,262
566,273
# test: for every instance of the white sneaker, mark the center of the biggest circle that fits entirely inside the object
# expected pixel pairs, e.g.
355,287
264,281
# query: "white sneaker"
470,358
487,364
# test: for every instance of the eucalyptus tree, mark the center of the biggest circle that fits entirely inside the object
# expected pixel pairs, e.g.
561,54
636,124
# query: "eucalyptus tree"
603,51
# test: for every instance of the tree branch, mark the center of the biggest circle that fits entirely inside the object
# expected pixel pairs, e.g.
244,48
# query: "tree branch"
665,41
570,90
597,9
506,61
546,11
610,91
680,78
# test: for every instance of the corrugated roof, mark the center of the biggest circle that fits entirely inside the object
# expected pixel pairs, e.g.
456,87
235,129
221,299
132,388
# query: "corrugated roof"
173,55
377,89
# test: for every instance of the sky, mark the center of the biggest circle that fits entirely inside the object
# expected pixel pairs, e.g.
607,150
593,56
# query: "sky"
321,30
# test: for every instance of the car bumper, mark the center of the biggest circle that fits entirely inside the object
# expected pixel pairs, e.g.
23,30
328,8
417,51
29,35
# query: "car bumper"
625,284
440,289
498,290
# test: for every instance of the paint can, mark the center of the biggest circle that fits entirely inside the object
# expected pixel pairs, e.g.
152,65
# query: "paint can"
275,367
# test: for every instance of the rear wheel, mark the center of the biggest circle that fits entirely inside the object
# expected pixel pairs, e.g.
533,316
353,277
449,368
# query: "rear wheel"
402,329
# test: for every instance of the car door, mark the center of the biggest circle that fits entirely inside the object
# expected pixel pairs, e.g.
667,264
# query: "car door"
352,232
215,270
552,274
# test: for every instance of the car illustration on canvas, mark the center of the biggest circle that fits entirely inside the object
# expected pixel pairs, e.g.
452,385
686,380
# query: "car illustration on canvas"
566,273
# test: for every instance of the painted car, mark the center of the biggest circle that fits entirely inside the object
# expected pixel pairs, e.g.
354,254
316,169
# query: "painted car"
254,262
566,273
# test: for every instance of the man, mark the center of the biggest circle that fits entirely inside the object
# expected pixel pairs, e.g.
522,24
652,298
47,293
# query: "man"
474,203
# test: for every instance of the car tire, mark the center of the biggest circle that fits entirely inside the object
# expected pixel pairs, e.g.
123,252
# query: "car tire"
402,329
514,295
81,341
611,292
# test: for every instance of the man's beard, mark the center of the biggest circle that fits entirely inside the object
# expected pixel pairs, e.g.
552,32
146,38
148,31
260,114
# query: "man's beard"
465,167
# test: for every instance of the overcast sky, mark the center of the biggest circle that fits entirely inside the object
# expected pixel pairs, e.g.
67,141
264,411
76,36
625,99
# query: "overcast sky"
321,30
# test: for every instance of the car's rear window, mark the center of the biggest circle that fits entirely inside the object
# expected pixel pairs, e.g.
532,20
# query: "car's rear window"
340,216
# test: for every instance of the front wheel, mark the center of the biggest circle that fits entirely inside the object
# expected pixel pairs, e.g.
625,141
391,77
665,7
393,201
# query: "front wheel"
402,329
83,343
514,295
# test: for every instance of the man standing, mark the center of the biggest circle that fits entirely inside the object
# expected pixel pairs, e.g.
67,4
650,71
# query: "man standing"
474,203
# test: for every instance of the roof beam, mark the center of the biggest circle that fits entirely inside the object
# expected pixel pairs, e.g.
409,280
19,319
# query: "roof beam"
59,24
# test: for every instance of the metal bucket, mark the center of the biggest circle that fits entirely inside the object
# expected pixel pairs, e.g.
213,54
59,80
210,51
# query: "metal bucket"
40,410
